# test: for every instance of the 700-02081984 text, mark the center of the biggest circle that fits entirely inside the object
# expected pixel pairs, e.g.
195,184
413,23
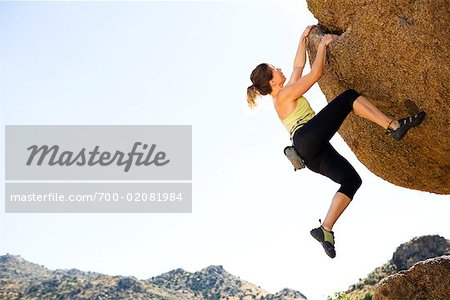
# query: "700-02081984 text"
99,196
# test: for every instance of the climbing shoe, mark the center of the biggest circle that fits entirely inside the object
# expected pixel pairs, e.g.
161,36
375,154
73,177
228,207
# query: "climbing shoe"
326,238
404,125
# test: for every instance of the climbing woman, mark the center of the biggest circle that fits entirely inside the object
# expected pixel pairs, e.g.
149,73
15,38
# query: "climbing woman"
310,133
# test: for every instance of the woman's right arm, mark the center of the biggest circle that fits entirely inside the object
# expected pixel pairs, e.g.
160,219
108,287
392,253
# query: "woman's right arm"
303,84
319,63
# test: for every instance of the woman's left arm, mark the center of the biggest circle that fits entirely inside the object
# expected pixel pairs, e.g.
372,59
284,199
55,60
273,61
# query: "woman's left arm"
300,57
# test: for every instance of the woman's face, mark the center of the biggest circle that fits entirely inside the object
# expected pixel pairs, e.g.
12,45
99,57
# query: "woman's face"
278,75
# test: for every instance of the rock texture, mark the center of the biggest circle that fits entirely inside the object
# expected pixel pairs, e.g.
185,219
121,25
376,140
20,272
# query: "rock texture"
406,255
397,54
20,279
419,249
429,279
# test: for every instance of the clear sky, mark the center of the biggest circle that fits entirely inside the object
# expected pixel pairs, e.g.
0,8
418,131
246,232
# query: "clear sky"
189,63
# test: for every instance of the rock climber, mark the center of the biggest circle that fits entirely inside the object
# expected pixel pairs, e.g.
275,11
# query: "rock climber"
310,133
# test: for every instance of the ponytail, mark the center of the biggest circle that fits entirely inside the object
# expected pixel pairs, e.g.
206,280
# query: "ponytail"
252,93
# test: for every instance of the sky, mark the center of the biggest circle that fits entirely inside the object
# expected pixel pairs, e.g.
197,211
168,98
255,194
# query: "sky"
189,63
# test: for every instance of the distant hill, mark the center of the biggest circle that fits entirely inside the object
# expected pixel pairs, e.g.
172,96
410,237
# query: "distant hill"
20,279
406,255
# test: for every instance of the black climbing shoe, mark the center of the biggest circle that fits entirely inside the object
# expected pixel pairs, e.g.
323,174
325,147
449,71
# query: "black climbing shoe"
326,238
405,125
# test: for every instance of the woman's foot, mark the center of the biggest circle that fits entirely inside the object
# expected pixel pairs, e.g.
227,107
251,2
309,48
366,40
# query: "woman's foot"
326,238
400,130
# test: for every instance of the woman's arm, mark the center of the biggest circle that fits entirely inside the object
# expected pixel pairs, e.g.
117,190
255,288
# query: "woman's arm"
300,57
302,85
321,55
318,65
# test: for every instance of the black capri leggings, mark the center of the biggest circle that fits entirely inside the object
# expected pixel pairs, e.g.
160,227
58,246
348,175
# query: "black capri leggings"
312,143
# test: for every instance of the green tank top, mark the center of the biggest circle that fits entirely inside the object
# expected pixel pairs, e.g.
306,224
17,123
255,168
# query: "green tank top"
299,116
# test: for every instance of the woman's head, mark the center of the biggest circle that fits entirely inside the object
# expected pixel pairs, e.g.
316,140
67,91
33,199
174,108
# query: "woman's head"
263,77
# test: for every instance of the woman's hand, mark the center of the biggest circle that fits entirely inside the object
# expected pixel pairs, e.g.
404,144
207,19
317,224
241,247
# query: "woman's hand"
328,38
306,31
300,57
319,63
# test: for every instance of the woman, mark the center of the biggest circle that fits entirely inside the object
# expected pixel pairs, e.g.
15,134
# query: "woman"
310,133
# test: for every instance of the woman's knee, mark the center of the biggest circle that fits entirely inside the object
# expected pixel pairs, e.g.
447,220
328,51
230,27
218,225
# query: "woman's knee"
350,96
350,184
345,100
356,181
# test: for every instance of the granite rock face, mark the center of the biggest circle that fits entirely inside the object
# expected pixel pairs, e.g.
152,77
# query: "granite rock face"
397,54
428,279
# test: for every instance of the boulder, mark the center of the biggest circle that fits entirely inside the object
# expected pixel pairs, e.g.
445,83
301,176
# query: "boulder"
397,54
429,279
419,249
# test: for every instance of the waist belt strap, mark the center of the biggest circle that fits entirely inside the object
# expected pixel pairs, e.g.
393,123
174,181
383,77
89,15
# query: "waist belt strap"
297,125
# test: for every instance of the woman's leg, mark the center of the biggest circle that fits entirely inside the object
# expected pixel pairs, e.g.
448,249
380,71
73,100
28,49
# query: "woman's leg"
337,168
397,128
332,165
365,109
338,205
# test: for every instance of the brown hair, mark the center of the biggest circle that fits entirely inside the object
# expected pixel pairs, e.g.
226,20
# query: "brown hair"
260,78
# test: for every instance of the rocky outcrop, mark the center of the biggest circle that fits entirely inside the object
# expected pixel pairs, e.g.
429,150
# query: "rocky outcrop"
428,279
406,255
397,54
419,249
20,279
288,294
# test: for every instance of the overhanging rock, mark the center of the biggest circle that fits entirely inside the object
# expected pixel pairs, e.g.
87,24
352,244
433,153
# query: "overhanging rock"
397,54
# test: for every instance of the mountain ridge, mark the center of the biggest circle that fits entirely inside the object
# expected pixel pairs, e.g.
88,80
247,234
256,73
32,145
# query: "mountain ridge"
21,279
